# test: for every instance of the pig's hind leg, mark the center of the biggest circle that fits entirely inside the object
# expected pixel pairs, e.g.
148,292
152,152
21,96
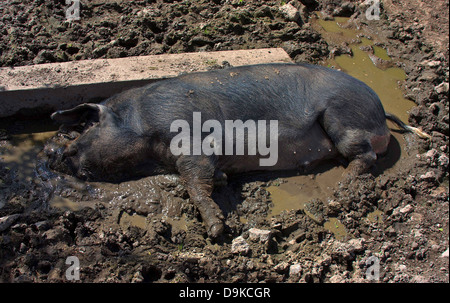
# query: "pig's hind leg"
358,133
198,173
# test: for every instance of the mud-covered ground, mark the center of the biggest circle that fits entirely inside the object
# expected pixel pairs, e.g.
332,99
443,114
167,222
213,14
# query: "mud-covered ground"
147,231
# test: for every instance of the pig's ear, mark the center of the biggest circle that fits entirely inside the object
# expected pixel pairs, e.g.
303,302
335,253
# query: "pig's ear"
81,113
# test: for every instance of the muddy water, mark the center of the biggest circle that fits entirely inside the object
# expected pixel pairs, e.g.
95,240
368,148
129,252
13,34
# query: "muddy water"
137,200
371,64
26,141
133,200
300,189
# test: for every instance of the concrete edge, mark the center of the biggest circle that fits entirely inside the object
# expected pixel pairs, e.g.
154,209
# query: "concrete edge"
43,88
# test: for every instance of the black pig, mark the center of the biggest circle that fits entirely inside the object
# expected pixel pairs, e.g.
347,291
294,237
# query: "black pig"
320,112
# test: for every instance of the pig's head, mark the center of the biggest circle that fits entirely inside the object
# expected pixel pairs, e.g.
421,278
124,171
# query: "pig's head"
99,147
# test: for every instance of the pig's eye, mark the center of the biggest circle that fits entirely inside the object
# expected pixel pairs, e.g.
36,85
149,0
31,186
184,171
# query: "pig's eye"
91,123
86,125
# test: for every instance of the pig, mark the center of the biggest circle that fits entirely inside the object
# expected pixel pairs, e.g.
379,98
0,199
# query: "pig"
321,113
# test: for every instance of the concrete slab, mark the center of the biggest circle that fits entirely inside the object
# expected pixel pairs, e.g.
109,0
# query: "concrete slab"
43,88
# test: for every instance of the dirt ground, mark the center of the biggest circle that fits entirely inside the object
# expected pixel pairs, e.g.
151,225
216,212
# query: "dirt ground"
147,231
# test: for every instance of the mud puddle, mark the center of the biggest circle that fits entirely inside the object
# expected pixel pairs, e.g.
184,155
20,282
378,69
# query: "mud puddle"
26,141
365,59
298,190
368,61
134,203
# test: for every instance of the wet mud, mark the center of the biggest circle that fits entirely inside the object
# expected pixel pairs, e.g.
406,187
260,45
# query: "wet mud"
287,227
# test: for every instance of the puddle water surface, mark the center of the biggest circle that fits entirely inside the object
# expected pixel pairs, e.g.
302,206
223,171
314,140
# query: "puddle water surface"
298,190
27,141
371,64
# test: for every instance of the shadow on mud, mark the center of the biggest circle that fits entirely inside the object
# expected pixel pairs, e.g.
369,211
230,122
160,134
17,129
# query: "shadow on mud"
389,159
258,186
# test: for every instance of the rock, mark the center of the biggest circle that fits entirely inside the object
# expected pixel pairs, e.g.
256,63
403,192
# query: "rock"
445,254
315,210
292,48
407,209
431,63
44,56
428,176
333,208
431,154
443,160
259,235
345,10
347,250
290,12
263,11
295,270
23,248
325,261
419,279
201,40
137,277
427,76
130,40
143,13
381,63
240,246
57,234
402,268
100,51
357,245
440,192
242,17
7,221
390,232
312,4
42,225
338,278
191,257
281,267
442,88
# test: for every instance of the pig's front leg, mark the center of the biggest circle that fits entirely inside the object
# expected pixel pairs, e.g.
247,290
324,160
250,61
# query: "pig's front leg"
197,173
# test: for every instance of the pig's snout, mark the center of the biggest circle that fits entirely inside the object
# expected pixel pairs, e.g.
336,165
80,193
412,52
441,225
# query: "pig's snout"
53,151
59,157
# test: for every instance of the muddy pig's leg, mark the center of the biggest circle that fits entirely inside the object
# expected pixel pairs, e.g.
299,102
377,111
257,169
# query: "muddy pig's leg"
197,173
356,147
360,164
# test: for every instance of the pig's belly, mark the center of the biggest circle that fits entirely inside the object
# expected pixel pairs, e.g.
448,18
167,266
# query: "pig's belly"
297,150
